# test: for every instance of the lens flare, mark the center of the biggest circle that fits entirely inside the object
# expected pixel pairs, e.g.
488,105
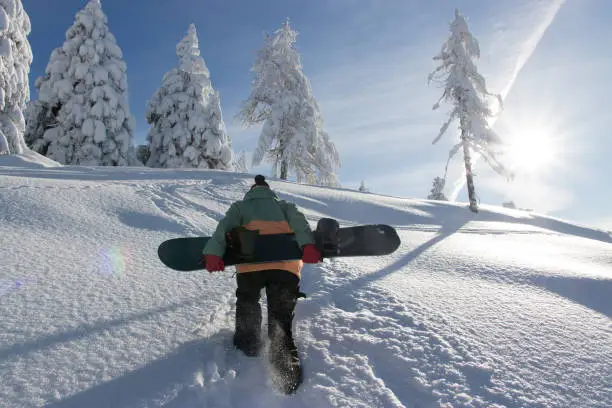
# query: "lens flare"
7,286
114,261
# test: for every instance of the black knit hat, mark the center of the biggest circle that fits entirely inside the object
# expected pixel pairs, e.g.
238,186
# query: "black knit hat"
260,181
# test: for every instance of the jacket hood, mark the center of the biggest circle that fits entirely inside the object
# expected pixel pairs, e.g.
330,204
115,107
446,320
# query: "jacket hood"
260,192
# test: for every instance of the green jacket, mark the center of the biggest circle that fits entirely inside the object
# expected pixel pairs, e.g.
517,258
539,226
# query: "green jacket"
261,209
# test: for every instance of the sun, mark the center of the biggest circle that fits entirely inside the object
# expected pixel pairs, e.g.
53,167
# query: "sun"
531,151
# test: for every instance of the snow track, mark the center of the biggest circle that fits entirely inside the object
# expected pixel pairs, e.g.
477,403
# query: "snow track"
499,309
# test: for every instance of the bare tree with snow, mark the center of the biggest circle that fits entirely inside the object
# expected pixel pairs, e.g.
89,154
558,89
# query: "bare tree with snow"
83,101
437,190
187,128
15,60
465,89
281,99
327,159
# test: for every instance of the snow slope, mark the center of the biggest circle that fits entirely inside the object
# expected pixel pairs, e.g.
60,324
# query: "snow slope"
497,309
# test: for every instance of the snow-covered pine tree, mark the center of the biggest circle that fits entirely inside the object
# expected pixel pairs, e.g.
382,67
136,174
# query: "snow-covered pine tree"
83,102
39,119
292,137
437,191
465,89
15,60
187,128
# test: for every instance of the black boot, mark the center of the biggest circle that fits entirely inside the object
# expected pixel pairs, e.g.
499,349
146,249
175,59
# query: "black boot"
247,336
286,364
283,353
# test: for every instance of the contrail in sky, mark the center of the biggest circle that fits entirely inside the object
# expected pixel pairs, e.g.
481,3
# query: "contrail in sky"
528,48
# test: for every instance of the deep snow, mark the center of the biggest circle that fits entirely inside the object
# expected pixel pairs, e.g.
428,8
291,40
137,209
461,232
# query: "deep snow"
500,308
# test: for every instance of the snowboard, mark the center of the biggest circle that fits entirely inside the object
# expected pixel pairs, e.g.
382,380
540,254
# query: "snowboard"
244,246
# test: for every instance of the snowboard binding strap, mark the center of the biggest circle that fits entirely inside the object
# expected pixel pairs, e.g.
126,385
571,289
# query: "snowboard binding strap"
326,237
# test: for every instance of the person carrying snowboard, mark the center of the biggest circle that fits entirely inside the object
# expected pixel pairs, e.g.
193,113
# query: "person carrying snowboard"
262,210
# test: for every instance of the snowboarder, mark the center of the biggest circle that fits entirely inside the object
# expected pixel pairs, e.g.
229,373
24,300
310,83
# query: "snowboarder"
262,210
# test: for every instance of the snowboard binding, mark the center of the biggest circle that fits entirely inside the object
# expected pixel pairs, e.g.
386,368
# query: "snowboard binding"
326,236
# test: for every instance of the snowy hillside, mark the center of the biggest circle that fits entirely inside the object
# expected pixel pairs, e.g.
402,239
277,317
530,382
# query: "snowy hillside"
497,309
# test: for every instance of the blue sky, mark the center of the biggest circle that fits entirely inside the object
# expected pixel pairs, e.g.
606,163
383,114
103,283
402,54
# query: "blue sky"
368,62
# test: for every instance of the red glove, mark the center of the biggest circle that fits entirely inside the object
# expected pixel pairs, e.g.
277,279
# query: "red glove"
214,263
310,254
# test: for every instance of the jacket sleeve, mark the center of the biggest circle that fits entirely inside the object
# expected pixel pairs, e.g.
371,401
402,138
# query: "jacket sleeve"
299,224
216,245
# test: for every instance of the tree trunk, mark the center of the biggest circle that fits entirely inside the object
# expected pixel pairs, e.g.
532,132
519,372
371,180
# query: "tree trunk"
284,166
283,170
467,158
4,146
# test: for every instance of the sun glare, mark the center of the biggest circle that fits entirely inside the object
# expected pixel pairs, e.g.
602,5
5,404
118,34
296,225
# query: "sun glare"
531,151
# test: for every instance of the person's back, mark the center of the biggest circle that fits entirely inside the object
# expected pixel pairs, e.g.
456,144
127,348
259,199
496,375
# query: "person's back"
262,210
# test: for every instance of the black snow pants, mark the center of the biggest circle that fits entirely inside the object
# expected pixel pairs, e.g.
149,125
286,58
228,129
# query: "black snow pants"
282,292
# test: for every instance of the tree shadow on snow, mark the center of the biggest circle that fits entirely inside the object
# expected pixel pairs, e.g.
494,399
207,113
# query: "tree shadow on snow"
406,212
596,294
151,381
199,373
87,330
551,224
351,211
447,211
448,228
338,204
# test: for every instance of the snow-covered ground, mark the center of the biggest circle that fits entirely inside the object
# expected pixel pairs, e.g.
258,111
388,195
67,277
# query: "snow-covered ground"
497,309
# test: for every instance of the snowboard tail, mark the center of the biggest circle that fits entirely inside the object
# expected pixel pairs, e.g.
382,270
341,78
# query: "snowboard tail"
185,254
